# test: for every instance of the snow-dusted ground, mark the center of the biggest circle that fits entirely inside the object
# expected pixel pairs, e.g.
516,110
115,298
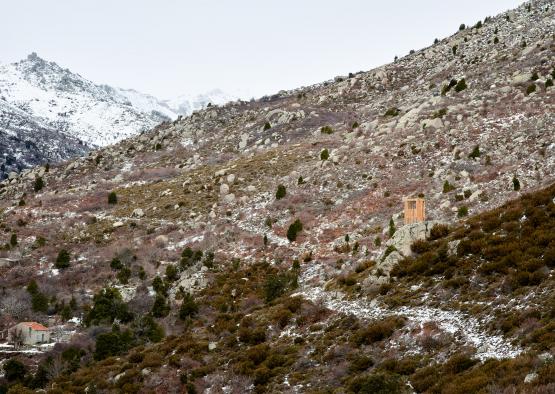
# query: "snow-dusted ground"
465,329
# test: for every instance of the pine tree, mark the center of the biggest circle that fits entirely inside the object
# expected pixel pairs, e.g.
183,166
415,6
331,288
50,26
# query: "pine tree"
392,228
281,192
62,261
189,307
516,184
112,198
39,184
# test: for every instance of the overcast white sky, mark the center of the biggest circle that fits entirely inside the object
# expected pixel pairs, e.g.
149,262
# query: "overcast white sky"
171,47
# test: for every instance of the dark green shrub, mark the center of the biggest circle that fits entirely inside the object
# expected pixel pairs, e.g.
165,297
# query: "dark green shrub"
392,228
392,112
112,344
462,211
326,130
159,286
447,187
325,154
475,152
13,240
39,302
161,307
39,184
112,198
124,275
107,306
62,261
516,184
189,307
462,27
439,113
548,83
534,76
274,287
267,126
172,274
116,264
294,229
14,370
281,192
461,85
530,89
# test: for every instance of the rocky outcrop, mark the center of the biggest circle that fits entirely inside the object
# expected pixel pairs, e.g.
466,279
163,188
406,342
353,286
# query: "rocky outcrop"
397,247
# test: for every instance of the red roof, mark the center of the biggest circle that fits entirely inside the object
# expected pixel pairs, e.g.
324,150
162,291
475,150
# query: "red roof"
35,326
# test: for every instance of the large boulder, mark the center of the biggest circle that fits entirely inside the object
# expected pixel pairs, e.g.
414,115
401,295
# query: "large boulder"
397,247
406,235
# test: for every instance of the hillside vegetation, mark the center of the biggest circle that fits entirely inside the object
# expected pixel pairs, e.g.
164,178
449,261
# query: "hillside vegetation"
260,246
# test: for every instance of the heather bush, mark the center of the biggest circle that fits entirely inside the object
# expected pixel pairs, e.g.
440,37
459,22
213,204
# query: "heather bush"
377,331
378,383
420,246
438,231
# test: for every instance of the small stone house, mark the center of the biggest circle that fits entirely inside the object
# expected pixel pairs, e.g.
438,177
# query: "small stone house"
415,210
28,333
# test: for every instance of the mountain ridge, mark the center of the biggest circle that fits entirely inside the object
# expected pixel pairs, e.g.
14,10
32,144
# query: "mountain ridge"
70,105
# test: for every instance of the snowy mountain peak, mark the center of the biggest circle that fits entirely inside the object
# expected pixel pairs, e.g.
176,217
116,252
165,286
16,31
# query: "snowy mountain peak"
42,99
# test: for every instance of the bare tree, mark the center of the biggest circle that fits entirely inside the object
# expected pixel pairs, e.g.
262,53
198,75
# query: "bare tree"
17,304
16,337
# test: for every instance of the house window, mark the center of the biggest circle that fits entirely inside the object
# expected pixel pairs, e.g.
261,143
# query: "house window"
412,204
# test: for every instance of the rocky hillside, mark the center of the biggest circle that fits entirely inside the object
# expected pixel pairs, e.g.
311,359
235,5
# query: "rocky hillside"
277,224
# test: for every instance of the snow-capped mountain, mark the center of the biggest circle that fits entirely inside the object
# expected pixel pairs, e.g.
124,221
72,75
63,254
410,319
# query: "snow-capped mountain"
48,113
96,114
